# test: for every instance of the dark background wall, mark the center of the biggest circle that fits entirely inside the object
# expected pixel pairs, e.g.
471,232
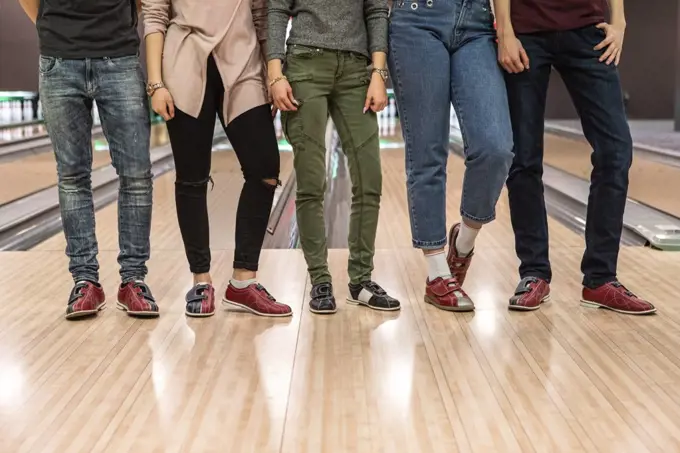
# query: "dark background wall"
647,67
18,49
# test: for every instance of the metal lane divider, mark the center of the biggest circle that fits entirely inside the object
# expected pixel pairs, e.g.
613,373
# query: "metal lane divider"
30,220
567,198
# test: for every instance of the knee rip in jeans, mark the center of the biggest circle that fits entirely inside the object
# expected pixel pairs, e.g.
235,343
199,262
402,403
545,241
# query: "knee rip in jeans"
196,184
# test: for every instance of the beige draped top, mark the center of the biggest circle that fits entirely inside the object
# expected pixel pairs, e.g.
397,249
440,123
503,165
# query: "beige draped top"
234,31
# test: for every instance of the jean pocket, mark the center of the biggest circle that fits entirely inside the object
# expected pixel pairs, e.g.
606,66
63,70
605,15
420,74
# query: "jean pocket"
47,64
123,63
298,51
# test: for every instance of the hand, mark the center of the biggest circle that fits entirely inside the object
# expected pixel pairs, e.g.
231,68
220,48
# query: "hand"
162,103
376,97
274,111
613,41
282,96
511,54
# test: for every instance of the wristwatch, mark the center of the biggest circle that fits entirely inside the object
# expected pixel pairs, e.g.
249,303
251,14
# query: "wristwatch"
382,72
152,87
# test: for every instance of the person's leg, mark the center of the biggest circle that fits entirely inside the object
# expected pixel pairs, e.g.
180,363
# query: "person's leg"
358,133
527,92
311,74
419,63
480,100
253,137
595,88
191,140
123,107
67,110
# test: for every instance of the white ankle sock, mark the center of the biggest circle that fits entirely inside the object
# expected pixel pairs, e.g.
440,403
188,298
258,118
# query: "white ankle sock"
437,266
465,241
242,284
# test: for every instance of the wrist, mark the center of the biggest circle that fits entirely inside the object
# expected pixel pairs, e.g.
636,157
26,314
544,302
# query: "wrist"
505,31
619,22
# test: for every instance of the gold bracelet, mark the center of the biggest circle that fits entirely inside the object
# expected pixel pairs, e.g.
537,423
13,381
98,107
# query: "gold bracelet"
276,80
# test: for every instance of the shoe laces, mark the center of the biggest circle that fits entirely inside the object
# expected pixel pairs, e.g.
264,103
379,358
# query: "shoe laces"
625,290
374,288
262,289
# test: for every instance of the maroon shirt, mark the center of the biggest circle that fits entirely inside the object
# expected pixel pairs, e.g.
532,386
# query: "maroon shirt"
531,16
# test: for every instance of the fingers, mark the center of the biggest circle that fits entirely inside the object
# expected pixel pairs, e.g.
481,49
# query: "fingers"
284,100
513,65
614,57
605,42
379,105
524,58
171,109
368,102
609,54
274,111
618,57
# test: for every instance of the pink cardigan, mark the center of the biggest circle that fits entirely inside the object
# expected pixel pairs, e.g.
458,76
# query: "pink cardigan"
234,31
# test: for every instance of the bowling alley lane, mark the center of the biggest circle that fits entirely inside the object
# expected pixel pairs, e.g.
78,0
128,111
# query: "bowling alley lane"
652,183
22,131
34,172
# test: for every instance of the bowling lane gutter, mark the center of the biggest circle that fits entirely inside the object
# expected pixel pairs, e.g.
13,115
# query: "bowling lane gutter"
664,156
36,144
26,222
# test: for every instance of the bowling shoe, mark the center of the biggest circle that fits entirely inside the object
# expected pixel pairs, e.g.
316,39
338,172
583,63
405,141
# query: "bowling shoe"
531,292
458,265
136,299
616,297
86,299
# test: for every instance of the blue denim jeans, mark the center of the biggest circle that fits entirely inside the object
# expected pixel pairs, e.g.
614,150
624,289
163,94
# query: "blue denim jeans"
67,90
596,91
443,51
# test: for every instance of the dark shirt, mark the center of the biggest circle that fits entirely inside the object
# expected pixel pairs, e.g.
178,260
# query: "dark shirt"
76,29
532,16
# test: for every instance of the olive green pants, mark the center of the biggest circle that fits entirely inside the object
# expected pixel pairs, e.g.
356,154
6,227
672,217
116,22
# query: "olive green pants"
333,82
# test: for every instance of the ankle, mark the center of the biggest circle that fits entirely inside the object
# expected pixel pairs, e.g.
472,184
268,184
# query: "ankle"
202,278
243,274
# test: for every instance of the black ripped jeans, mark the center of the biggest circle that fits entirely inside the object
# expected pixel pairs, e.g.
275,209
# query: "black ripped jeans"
253,138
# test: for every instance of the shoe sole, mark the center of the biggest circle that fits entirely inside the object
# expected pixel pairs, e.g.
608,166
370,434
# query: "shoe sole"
199,315
591,304
323,312
85,313
453,309
266,315
364,304
523,308
138,314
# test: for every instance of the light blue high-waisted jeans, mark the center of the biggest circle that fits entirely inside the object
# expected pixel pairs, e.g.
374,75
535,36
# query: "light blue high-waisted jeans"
444,52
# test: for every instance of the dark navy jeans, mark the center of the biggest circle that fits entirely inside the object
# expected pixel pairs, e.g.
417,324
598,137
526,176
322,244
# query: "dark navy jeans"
443,52
67,91
596,91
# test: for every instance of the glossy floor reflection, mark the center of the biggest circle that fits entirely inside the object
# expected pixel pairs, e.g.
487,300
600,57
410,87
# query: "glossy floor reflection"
563,379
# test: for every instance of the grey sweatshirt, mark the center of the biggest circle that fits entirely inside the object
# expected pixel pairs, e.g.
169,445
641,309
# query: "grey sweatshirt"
352,25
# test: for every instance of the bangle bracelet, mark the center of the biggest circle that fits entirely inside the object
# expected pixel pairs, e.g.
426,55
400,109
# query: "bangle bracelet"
277,80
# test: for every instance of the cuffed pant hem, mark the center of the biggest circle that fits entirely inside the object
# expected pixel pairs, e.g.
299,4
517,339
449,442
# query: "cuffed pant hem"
429,245
540,275
321,279
483,220
596,283
253,267
94,278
